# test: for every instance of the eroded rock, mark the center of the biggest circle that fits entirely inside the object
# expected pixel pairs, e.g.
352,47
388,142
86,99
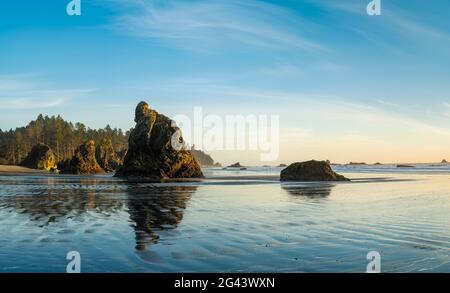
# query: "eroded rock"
107,157
40,157
156,149
310,171
83,162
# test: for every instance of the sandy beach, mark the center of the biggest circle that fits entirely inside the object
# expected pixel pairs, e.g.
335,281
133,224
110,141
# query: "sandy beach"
18,169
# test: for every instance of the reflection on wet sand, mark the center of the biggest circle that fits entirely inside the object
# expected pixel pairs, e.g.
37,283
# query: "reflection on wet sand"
156,208
52,202
151,208
313,191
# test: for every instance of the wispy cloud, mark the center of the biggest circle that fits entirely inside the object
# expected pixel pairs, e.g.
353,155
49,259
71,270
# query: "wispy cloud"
16,81
24,91
31,103
208,25
328,109
394,20
415,28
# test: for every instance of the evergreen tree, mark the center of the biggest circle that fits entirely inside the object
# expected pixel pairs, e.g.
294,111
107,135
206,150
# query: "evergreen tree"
61,136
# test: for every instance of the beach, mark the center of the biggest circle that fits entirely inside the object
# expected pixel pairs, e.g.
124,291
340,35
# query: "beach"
18,170
231,221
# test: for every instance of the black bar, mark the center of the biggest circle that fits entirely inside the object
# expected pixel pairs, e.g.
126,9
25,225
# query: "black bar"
167,281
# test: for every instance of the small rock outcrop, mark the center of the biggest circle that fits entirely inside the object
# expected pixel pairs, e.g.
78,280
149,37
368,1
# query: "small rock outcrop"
444,161
40,157
106,156
236,165
282,165
156,149
405,166
83,162
310,171
357,163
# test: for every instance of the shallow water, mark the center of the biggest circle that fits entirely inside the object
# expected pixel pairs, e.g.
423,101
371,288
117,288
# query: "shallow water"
234,221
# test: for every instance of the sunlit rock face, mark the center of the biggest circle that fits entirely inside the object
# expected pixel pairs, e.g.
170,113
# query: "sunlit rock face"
107,157
83,162
41,157
310,171
152,154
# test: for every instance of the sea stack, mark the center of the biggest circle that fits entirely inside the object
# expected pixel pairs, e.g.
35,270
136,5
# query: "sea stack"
310,171
106,156
40,157
156,149
83,162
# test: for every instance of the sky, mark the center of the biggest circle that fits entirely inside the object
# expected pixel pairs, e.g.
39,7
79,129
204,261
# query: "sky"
346,86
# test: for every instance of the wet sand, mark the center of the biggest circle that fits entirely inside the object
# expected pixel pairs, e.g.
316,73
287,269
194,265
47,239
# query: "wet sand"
218,225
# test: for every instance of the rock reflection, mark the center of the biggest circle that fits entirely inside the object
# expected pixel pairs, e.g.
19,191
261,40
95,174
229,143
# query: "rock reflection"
50,201
153,209
312,191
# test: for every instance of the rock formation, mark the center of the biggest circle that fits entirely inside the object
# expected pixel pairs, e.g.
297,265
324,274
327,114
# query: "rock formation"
83,162
202,158
40,157
310,171
156,149
106,156
405,166
236,165
444,161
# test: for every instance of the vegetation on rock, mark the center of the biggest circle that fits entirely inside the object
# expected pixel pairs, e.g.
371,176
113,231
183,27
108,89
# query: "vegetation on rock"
202,158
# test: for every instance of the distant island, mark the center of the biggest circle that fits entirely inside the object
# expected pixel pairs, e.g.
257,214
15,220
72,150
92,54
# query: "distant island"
203,158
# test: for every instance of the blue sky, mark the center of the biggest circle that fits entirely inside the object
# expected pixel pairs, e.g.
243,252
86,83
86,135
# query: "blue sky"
347,86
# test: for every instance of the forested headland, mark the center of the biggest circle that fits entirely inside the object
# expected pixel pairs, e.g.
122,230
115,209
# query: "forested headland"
61,136
64,137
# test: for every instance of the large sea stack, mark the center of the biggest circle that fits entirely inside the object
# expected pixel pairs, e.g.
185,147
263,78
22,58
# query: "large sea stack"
83,162
40,157
310,171
156,149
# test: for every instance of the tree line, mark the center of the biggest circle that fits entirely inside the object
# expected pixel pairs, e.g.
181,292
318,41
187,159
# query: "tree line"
61,136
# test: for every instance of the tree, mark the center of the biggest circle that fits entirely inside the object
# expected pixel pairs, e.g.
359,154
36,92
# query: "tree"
63,138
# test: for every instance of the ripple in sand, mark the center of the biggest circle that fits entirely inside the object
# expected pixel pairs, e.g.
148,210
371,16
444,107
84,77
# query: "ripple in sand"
150,256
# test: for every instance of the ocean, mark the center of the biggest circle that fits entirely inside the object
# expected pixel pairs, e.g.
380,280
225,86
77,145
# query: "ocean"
232,221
